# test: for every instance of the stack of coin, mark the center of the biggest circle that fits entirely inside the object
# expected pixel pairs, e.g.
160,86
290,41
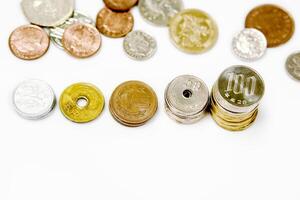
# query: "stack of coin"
235,98
186,99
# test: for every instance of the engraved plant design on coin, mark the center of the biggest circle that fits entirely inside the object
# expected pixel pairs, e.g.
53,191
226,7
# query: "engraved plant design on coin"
34,99
249,44
293,65
29,42
193,31
277,24
159,12
139,45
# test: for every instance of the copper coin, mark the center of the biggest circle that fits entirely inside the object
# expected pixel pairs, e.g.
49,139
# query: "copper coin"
29,42
81,40
133,103
120,5
114,24
277,24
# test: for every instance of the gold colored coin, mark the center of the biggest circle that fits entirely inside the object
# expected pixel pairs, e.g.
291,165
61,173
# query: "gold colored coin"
193,31
81,102
133,103
277,24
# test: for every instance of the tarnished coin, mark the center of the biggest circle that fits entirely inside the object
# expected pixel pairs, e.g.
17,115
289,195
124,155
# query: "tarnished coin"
159,12
81,40
81,102
114,24
139,45
274,22
120,5
193,31
133,103
34,99
186,99
29,42
249,44
293,65
240,88
48,13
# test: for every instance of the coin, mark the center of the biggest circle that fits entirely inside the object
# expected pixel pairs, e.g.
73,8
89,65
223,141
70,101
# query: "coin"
133,103
114,24
293,65
81,40
277,24
186,99
48,13
193,31
250,44
139,45
120,5
159,12
81,102
33,99
29,42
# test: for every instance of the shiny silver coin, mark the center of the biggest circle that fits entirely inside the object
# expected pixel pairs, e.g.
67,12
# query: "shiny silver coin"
250,44
159,12
186,99
139,45
293,65
48,13
56,33
34,99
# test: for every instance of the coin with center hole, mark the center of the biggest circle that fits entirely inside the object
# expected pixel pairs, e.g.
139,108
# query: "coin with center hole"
133,103
159,12
81,102
29,42
81,40
48,13
139,45
120,5
293,65
114,24
193,31
250,44
34,99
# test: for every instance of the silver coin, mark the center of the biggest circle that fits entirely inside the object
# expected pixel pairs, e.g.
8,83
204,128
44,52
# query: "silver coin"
250,44
56,33
48,13
186,99
139,45
34,99
159,12
293,65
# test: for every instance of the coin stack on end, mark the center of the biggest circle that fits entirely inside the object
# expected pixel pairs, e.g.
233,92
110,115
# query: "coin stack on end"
235,98
186,99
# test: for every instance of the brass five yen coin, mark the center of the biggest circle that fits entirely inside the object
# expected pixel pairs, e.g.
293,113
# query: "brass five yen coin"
133,103
276,23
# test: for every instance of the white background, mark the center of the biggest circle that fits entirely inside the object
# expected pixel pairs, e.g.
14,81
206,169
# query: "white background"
57,159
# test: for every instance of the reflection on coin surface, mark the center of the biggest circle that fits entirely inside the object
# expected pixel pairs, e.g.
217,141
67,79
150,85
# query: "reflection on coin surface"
193,31
133,103
274,22
81,40
48,12
81,102
34,99
114,24
241,86
139,45
186,98
120,5
250,44
159,12
29,42
293,65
